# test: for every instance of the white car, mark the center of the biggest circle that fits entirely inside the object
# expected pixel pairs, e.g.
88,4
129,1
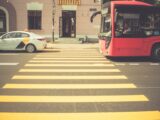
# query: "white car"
20,40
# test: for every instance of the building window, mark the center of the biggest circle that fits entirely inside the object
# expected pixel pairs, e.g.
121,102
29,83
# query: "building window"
93,9
34,19
97,1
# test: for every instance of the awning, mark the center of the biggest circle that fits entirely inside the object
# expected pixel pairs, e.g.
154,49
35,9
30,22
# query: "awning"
69,2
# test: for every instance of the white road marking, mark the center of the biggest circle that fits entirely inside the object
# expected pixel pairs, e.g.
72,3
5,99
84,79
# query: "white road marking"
155,64
120,64
136,64
148,87
2,54
8,64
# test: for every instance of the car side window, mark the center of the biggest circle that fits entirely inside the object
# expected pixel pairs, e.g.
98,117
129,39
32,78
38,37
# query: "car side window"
22,35
6,36
9,35
25,35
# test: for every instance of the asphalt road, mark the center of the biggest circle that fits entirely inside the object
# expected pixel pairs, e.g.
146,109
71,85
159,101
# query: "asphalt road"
77,84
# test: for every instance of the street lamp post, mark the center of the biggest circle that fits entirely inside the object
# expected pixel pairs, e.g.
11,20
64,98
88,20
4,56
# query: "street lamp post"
53,17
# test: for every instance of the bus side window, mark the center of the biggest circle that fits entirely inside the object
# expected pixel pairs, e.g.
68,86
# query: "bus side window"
119,25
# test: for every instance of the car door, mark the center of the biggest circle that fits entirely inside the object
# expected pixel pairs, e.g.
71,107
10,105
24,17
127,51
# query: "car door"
21,40
3,41
1,44
8,41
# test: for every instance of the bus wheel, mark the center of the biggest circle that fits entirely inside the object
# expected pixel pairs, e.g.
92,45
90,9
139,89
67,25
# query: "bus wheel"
30,48
156,53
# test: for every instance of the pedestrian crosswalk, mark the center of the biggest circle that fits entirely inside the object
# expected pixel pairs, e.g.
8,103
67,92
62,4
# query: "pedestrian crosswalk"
8,64
68,99
73,58
70,70
76,74
68,86
143,115
8,54
49,77
49,61
69,65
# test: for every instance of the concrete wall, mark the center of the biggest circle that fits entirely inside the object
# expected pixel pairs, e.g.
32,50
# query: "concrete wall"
83,13
83,24
22,20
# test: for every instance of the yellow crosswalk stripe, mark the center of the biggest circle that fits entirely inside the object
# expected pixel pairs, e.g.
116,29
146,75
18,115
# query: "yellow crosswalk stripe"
68,86
108,77
137,115
71,99
69,56
72,52
69,70
50,61
41,58
68,65
66,50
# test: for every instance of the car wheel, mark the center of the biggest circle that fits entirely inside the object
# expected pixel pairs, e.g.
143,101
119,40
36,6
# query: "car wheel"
30,48
156,53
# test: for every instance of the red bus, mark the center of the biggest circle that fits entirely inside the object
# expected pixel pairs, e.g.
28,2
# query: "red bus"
130,28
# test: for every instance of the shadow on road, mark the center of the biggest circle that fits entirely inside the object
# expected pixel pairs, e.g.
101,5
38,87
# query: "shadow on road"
8,51
43,51
132,59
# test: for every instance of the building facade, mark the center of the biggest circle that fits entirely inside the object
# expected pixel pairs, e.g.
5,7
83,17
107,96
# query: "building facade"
71,17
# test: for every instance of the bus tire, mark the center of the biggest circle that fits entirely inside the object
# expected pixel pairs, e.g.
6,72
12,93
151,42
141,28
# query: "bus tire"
156,53
30,48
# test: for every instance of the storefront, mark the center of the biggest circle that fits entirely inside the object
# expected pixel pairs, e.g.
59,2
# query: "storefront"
72,17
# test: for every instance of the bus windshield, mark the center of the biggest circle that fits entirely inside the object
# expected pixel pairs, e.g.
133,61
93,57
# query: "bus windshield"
106,20
106,23
140,22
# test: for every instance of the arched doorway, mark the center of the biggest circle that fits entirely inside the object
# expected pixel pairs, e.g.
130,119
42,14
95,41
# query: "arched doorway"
3,26
9,17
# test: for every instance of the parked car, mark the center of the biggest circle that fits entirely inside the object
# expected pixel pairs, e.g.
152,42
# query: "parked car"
20,40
